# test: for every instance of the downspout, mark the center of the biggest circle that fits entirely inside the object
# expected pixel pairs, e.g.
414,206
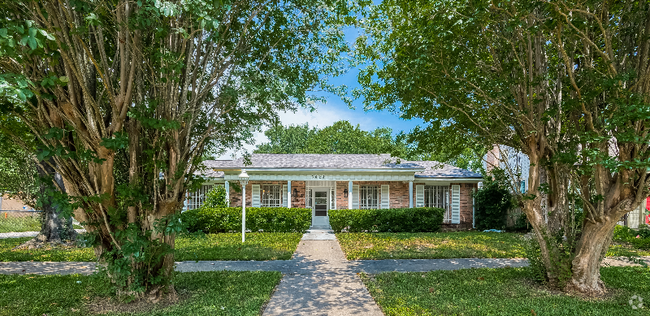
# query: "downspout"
473,209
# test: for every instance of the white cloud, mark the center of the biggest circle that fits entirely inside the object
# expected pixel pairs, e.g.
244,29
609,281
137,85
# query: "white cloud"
324,115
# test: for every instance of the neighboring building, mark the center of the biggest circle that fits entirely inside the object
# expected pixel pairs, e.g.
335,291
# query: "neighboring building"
515,163
352,181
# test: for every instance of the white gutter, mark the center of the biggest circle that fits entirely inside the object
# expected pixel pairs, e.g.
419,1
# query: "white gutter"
323,170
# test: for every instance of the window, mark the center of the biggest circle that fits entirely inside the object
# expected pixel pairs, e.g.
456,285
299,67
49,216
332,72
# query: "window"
197,198
271,195
436,196
368,197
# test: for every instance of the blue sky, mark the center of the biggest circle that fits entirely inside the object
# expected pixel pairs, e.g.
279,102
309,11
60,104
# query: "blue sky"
334,109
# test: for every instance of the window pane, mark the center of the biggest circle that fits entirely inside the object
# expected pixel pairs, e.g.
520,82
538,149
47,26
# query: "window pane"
271,195
368,197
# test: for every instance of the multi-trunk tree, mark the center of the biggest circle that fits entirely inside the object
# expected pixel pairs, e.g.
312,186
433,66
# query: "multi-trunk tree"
565,82
125,96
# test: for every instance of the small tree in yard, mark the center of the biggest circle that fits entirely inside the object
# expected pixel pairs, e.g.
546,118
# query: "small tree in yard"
565,82
124,97
21,176
493,201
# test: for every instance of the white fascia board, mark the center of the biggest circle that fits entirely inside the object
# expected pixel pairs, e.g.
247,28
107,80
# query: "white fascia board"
449,180
296,170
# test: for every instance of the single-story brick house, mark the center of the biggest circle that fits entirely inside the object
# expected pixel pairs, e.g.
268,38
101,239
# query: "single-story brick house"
345,181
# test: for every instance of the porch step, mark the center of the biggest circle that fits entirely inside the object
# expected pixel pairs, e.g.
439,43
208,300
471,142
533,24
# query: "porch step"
319,233
321,227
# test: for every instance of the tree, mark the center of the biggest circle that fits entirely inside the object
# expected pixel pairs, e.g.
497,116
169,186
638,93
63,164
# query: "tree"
125,96
339,138
564,82
22,177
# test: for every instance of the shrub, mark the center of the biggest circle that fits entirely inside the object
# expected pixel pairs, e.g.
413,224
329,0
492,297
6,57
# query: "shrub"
424,219
493,202
628,235
228,219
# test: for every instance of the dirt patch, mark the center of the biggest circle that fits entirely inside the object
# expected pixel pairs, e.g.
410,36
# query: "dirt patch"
105,305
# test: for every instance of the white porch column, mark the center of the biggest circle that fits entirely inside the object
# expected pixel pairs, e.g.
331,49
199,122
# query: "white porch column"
227,187
289,193
410,194
349,195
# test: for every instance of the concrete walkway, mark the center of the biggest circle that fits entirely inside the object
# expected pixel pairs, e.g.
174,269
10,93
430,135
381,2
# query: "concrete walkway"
323,284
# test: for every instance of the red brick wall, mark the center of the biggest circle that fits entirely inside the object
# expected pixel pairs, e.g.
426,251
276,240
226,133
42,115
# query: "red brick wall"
297,201
399,197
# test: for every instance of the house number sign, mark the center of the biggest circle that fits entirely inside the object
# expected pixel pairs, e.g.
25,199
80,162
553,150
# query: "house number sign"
318,176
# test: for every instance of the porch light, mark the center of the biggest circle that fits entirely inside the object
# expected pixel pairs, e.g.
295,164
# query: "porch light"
295,192
345,192
243,180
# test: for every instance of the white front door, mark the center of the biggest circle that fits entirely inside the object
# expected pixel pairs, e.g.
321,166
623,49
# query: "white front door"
320,207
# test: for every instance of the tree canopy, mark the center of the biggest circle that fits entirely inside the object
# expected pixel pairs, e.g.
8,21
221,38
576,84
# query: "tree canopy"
339,138
124,97
565,82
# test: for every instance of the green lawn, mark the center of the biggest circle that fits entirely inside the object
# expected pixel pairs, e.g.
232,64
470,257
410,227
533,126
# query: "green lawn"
375,246
430,245
19,224
201,293
500,292
258,246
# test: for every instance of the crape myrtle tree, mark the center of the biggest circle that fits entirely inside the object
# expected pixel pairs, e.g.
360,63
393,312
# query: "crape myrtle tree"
567,83
125,97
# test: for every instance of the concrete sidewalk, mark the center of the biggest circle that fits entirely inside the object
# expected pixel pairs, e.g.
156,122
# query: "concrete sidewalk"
325,284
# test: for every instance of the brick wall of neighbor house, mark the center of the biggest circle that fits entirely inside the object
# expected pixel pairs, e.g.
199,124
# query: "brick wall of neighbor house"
466,208
296,201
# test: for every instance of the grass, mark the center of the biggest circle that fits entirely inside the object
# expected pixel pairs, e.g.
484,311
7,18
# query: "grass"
363,246
376,246
500,292
621,249
19,224
258,246
202,293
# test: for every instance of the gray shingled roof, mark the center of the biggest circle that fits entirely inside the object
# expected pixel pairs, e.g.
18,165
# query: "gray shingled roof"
433,169
305,161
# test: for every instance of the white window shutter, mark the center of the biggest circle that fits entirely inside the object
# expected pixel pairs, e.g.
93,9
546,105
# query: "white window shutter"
455,204
355,197
385,196
419,196
256,196
285,196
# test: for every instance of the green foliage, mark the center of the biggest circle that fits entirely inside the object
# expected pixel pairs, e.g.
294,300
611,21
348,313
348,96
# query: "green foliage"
203,293
216,198
493,202
499,292
339,138
266,219
422,219
638,238
378,246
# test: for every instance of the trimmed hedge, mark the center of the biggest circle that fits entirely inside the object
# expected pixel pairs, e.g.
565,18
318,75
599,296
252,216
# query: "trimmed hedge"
228,219
412,220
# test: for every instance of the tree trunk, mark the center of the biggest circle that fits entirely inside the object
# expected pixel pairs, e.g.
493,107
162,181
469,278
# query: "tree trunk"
55,229
590,251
